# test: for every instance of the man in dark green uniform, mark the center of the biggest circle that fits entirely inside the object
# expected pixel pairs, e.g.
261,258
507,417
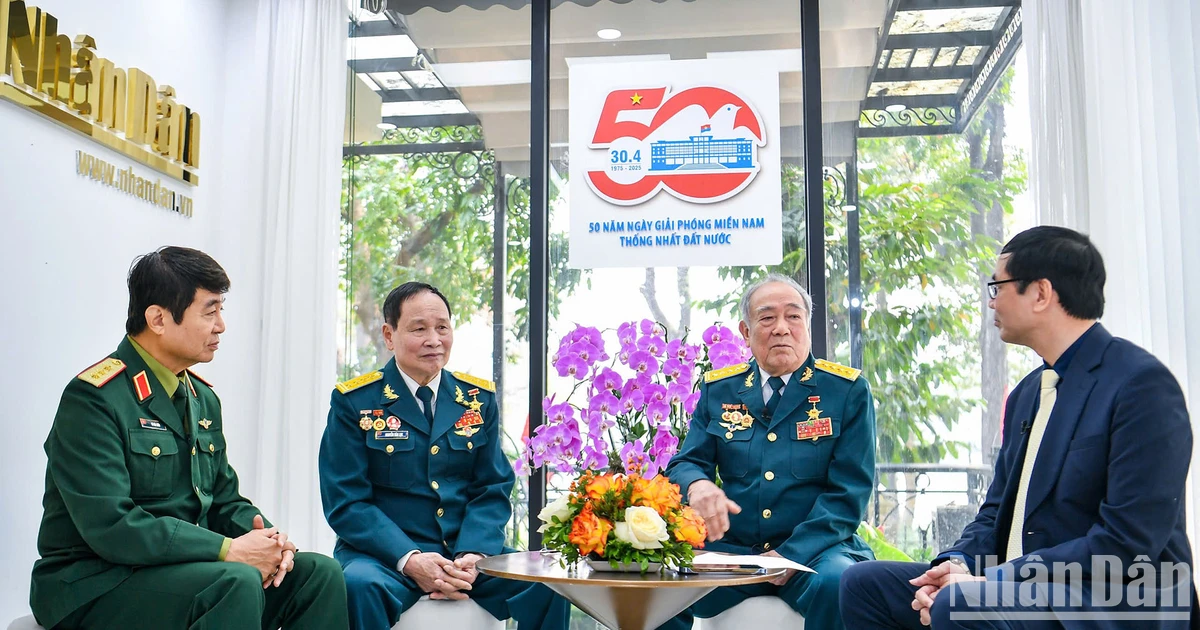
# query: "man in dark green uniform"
793,440
415,483
143,525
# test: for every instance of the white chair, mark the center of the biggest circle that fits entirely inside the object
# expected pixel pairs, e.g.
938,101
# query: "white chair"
25,623
464,614
755,612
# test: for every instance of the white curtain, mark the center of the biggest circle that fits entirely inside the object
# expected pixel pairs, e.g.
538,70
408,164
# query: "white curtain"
286,64
1131,179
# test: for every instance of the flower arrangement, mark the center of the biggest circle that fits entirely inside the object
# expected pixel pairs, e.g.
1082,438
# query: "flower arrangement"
619,426
628,520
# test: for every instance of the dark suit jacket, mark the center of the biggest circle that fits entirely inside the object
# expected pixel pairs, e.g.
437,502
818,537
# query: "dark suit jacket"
1110,472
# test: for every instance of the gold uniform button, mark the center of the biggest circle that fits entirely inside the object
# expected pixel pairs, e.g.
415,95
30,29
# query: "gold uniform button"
470,446
766,546
156,451
390,448
212,448
440,512
729,435
771,437
196,488
766,513
434,484
193,451
434,450
769,475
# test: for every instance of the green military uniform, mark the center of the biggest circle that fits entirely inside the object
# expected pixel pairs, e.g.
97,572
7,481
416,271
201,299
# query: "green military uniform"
801,473
141,506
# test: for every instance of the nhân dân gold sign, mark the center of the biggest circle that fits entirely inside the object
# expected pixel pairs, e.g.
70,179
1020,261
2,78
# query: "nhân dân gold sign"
69,83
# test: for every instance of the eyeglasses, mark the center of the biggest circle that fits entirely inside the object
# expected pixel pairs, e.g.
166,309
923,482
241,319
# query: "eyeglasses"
993,287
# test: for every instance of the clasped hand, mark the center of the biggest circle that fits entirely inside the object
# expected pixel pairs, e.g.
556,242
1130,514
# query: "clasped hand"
931,582
441,577
266,549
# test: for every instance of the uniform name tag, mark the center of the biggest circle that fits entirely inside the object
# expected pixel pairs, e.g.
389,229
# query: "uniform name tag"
391,435
152,424
813,429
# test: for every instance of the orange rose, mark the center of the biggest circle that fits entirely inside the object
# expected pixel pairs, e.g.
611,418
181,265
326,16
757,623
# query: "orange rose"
658,493
690,527
589,532
597,487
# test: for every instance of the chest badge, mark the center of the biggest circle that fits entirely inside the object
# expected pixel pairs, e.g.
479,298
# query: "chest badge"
468,424
815,426
735,417
205,424
379,423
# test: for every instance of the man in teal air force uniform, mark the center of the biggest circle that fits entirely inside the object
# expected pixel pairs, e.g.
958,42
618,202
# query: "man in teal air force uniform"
793,442
414,481
144,526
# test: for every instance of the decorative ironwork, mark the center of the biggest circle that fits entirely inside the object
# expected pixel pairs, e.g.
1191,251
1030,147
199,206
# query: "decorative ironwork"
433,135
998,59
834,180
877,123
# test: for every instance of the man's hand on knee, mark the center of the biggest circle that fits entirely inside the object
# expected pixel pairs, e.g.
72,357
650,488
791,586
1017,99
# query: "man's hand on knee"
932,581
429,571
787,573
713,506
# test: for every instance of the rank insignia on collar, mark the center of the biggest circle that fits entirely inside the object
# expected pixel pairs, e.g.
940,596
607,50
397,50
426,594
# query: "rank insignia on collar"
808,373
389,393
141,384
750,379
467,423
205,423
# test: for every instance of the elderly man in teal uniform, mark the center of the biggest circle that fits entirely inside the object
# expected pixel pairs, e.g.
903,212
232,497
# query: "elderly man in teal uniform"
793,441
414,481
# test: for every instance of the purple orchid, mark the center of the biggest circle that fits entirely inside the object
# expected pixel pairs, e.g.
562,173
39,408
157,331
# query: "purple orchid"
655,393
627,335
609,379
636,461
605,402
689,403
664,447
672,368
649,327
572,365
715,334
724,354
658,412
643,362
653,345
633,400
677,392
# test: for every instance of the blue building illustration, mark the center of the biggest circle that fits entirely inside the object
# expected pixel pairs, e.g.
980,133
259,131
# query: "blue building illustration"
701,153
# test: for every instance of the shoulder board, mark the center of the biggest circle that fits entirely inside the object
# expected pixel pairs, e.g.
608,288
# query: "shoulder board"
725,372
837,369
199,378
481,383
366,379
102,372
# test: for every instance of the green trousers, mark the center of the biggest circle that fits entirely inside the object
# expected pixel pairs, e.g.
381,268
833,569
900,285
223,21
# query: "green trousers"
221,596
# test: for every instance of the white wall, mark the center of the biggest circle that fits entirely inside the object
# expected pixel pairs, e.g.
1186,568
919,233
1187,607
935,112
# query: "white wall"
66,244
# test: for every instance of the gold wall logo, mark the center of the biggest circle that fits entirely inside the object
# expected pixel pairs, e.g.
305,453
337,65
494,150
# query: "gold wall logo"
69,83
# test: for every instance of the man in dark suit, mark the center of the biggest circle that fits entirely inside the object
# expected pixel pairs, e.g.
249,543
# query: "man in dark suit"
414,480
1083,525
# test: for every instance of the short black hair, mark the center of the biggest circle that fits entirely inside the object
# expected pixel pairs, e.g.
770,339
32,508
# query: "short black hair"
1067,259
402,294
169,277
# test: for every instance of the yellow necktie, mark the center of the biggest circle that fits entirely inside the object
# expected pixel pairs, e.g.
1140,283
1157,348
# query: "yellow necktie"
1045,407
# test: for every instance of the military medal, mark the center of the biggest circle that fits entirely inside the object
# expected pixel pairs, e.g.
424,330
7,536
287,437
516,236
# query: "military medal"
816,426
393,423
466,425
365,423
379,424
735,417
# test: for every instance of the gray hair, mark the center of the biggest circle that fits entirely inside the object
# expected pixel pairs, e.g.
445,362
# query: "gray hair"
744,305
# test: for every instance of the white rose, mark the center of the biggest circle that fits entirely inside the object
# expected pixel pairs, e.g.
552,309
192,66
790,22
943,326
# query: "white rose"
560,508
643,528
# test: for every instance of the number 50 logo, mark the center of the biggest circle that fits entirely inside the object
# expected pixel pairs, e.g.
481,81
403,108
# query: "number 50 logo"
700,145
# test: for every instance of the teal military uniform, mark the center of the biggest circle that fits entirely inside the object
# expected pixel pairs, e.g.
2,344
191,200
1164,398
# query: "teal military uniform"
392,482
802,478
141,506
